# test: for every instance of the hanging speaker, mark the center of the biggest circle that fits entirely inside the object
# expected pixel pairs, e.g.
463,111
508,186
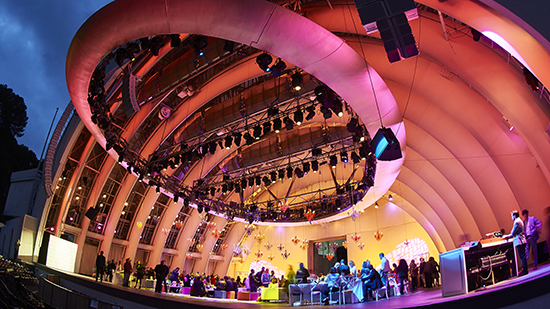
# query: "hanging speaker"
385,145
91,213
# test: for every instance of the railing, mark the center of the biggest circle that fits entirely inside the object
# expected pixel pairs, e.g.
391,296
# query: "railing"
60,297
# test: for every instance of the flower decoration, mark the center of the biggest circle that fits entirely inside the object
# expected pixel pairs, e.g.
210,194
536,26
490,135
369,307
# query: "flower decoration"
354,214
165,231
200,246
246,251
139,224
345,244
295,240
304,244
270,257
361,245
285,254
318,245
324,224
224,246
260,237
216,233
211,225
334,246
280,247
268,245
283,206
309,214
188,256
329,256
356,237
258,254
178,224
378,235
189,240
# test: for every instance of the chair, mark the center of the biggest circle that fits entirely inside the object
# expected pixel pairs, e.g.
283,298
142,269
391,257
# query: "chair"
297,290
316,291
382,289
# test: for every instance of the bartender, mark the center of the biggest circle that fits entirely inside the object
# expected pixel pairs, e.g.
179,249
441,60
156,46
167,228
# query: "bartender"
520,242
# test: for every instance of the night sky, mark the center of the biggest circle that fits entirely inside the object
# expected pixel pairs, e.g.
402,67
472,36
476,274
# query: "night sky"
34,39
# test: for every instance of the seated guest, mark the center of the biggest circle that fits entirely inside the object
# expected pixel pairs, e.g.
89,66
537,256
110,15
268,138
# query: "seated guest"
230,285
187,281
333,284
372,281
221,285
352,269
198,287
301,274
284,282
272,275
343,269
175,275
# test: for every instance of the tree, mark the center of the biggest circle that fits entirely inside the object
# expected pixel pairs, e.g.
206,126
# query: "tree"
13,157
13,112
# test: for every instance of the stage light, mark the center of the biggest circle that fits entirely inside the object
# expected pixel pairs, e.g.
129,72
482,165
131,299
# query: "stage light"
213,191
306,167
248,138
310,112
337,108
281,174
299,173
316,152
278,68
355,157
289,124
352,125
224,188
158,189
263,61
390,198
243,183
476,35
257,132
333,161
267,127
228,46
258,181
298,116
327,113
199,44
272,111
212,148
289,172
175,40
344,156
273,175
297,81
266,181
277,124
250,182
363,154
237,139
228,141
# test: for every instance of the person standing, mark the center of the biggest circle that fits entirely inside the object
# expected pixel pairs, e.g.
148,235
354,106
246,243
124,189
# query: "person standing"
127,272
100,266
160,274
253,282
414,275
532,230
385,270
140,272
520,242
110,270
421,267
403,275
301,274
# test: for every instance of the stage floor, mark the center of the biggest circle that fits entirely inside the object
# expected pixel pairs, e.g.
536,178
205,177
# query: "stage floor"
535,285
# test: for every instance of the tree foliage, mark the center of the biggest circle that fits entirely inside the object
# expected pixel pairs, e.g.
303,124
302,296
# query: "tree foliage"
13,112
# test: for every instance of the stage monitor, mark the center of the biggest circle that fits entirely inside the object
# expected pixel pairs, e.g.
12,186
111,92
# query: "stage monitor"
385,145
61,254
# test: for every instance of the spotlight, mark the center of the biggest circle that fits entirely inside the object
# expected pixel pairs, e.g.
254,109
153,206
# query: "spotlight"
390,198
299,173
306,167
337,108
281,174
199,44
213,191
258,181
355,157
277,124
310,112
344,156
278,68
224,188
158,189
289,124
199,208
297,81
212,148
263,61
267,127
272,111
176,198
237,139
243,183
228,141
316,152
248,138
352,125
326,112
363,154
250,182
266,181
257,132
333,161
175,40
476,35
273,176
325,96
289,172
298,116
229,46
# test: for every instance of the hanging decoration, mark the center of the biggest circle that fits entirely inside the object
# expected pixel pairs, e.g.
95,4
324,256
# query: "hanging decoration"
354,214
285,254
378,235
270,257
280,247
165,231
188,256
178,224
211,225
295,240
356,237
309,215
216,233
329,256
200,246
283,206
224,246
258,254
139,224
304,244
345,244
268,245
202,216
318,245
260,237
324,224
335,246
361,245
246,251
249,229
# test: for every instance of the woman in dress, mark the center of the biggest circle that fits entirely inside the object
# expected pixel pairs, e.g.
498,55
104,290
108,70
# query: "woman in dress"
117,279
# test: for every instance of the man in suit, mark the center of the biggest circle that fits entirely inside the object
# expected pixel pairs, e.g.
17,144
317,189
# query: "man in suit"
519,240
161,271
100,266
532,230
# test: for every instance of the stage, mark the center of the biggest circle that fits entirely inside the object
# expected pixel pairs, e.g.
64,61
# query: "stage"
531,290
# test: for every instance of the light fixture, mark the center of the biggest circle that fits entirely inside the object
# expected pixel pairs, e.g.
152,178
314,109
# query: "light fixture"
237,139
281,174
228,141
248,138
333,161
289,172
355,157
352,125
297,81
376,205
228,46
337,108
278,68
273,175
327,113
390,198
310,112
199,44
263,61
315,166
289,124
298,116
299,173
306,167
258,181
267,127
277,124
175,40
257,132
344,156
